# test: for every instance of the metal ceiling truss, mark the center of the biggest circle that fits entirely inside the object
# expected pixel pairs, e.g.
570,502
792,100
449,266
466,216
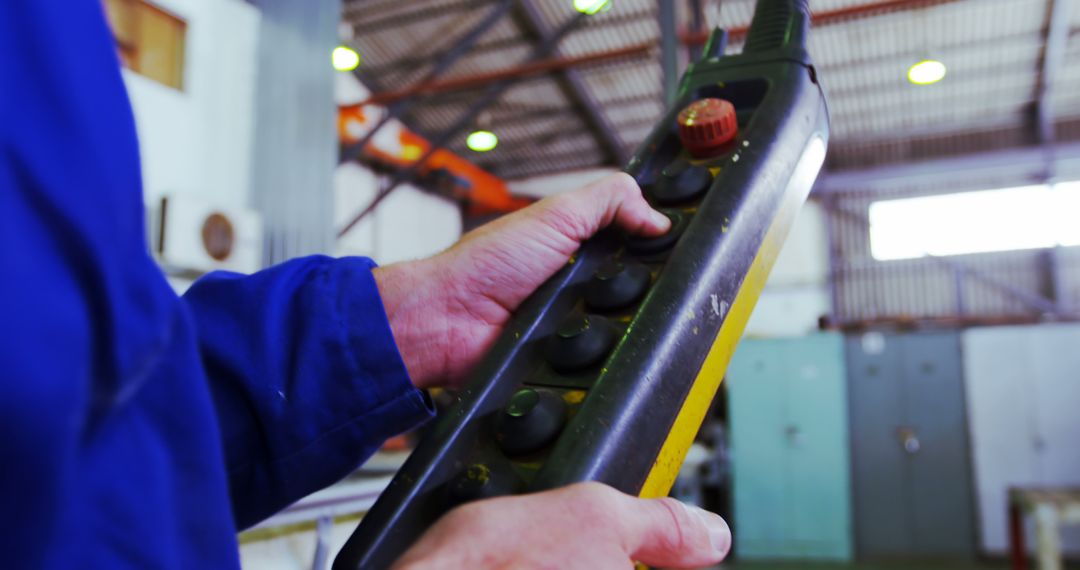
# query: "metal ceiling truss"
513,113
532,70
669,50
556,157
1011,165
537,142
546,46
573,86
354,10
404,64
503,44
523,169
588,107
443,63
1050,64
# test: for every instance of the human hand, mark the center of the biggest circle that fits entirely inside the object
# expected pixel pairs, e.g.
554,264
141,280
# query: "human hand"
447,310
587,525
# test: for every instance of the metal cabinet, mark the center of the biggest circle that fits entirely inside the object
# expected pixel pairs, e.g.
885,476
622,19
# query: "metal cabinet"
909,446
789,452
1023,390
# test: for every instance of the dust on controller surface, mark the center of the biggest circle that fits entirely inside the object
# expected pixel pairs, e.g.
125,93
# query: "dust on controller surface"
572,391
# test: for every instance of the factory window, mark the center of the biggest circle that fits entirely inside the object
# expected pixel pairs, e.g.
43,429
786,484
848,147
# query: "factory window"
972,222
149,39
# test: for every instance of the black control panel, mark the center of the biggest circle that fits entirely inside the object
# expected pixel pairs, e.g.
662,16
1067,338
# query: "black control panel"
605,373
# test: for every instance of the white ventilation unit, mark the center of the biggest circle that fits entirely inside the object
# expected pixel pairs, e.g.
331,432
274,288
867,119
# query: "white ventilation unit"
195,237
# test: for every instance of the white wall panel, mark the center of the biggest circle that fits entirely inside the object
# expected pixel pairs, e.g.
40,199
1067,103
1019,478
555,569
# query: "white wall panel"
198,142
796,294
1023,389
408,224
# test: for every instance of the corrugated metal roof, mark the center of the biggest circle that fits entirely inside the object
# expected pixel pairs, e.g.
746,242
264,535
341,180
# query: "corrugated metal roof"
993,50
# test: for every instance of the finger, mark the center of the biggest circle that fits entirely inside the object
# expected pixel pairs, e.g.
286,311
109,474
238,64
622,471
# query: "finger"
623,203
613,199
666,532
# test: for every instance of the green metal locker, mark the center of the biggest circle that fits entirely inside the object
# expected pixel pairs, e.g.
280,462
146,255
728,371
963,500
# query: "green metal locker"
789,446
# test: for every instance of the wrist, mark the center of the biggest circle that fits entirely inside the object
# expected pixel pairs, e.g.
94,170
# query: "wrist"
414,308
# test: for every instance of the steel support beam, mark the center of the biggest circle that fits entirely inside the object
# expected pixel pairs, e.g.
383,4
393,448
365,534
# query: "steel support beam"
1059,282
490,95
373,85
525,155
835,252
697,27
827,17
555,158
557,64
503,44
1053,58
354,9
1019,164
442,63
1056,285
403,65
535,143
607,137
669,50
514,112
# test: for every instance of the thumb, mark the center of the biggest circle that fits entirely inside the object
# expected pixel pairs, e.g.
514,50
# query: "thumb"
665,532
612,199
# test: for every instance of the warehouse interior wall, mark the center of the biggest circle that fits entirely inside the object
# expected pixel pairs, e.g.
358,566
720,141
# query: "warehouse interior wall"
198,141
797,292
408,224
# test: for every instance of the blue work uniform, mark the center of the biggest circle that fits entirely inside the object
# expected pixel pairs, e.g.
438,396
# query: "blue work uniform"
139,429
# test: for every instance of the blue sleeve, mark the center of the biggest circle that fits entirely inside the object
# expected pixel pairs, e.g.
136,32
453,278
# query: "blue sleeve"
114,413
305,375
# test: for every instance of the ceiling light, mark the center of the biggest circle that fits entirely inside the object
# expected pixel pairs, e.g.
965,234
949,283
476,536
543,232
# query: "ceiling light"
926,72
591,7
345,58
482,141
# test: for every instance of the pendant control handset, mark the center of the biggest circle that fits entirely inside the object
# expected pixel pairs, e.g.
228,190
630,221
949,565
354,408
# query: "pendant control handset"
607,371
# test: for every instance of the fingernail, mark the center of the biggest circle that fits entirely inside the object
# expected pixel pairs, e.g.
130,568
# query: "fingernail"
719,533
663,222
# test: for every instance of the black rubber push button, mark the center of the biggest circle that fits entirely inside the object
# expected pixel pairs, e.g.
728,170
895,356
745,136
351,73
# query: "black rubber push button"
530,421
617,285
646,176
580,341
483,481
645,246
680,182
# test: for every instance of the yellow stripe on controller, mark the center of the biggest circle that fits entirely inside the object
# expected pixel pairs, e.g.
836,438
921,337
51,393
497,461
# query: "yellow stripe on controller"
668,462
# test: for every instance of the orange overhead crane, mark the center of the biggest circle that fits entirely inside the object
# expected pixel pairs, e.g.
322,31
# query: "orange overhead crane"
481,191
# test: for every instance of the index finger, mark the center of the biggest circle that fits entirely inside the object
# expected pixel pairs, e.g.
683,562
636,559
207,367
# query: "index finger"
614,199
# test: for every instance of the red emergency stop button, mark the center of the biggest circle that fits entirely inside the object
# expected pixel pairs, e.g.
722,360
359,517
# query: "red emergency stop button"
706,126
